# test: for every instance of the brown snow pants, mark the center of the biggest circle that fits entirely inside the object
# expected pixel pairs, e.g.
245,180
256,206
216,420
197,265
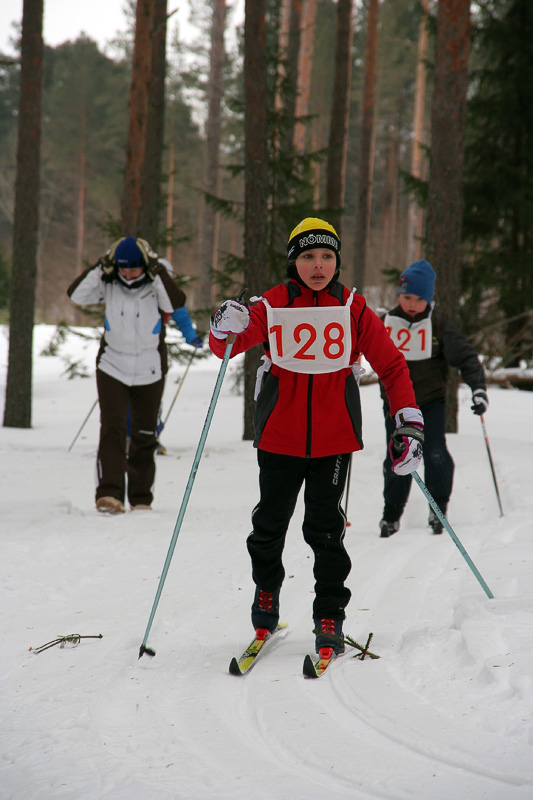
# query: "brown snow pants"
113,463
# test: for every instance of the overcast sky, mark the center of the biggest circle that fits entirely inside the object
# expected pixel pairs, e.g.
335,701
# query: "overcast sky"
66,19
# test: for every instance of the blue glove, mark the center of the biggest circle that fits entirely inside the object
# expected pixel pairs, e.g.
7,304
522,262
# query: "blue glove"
183,321
196,342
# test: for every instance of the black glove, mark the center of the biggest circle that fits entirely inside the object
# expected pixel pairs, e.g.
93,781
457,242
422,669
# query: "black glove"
108,263
151,259
154,268
108,268
480,402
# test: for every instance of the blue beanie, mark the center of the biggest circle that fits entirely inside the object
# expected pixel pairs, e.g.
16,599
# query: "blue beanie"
419,279
128,254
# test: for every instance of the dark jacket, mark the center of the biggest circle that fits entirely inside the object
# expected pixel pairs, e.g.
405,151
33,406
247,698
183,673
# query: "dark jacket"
449,348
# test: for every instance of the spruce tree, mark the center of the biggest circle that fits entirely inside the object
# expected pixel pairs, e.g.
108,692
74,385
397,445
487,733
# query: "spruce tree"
497,232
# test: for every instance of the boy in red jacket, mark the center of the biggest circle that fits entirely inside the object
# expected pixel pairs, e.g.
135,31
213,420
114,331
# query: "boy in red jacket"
308,416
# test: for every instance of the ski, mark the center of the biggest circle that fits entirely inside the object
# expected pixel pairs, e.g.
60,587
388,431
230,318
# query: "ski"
243,664
314,669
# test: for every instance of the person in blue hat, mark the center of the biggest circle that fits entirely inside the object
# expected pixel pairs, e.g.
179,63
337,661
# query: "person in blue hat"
137,291
430,343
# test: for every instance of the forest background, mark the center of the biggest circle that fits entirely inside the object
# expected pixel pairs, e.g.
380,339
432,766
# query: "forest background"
364,162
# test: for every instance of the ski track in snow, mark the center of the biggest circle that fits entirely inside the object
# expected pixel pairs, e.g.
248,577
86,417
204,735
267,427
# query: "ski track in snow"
445,712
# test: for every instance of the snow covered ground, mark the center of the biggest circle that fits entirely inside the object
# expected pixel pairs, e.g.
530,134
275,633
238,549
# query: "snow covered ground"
446,711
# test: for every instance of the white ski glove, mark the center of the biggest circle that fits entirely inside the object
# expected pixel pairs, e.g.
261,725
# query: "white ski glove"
231,317
480,402
405,446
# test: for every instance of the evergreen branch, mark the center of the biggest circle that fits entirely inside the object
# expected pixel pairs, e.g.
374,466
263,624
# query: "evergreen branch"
73,638
352,643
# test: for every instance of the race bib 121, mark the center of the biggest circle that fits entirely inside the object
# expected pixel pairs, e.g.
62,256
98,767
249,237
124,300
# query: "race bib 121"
413,340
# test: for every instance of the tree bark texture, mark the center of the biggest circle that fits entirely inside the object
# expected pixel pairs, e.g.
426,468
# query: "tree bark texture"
362,217
292,58
445,185
150,202
338,131
138,115
305,65
208,239
256,179
415,217
18,401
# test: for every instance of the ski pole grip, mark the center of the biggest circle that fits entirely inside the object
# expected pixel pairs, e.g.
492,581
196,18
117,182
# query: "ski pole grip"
232,336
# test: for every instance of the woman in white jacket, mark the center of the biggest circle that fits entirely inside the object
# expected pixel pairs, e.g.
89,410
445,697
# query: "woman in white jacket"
137,291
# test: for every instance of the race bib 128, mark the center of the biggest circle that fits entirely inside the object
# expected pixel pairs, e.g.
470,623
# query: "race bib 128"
312,340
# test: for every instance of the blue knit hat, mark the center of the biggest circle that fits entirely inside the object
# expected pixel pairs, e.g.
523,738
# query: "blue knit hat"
419,279
128,254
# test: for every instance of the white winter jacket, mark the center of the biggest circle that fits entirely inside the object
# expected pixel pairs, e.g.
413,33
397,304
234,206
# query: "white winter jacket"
132,349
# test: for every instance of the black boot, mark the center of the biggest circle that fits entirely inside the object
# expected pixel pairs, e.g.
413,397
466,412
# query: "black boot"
265,609
434,522
331,626
391,520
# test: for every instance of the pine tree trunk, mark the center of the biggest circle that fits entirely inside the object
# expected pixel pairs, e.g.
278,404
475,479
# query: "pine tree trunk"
170,191
208,228
82,186
292,56
150,200
445,190
338,132
18,401
138,113
305,65
362,218
390,201
415,218
256,179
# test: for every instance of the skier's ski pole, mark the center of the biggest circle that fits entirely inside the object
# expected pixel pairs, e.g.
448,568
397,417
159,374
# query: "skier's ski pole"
83,425
178,390
491,464
143,649
448,527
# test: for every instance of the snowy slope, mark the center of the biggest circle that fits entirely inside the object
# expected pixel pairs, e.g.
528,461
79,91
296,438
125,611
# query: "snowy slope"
446,711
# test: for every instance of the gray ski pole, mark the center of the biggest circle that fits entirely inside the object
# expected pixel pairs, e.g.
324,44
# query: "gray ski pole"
491,464
83,425
448,527
143,648
178,390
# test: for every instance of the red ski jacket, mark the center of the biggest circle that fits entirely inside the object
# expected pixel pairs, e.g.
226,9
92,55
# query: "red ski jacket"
315,415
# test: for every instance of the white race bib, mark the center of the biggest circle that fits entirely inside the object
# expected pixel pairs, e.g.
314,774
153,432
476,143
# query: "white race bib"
308,339
413,340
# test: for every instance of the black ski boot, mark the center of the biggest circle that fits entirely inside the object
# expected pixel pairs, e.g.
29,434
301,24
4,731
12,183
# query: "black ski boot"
391,520
331,626
434,522
265,609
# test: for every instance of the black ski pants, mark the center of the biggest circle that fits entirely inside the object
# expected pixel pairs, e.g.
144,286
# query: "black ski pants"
280,480
113,464
438,463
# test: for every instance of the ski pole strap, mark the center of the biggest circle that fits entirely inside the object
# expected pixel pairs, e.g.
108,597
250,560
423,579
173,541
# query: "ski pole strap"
452,533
